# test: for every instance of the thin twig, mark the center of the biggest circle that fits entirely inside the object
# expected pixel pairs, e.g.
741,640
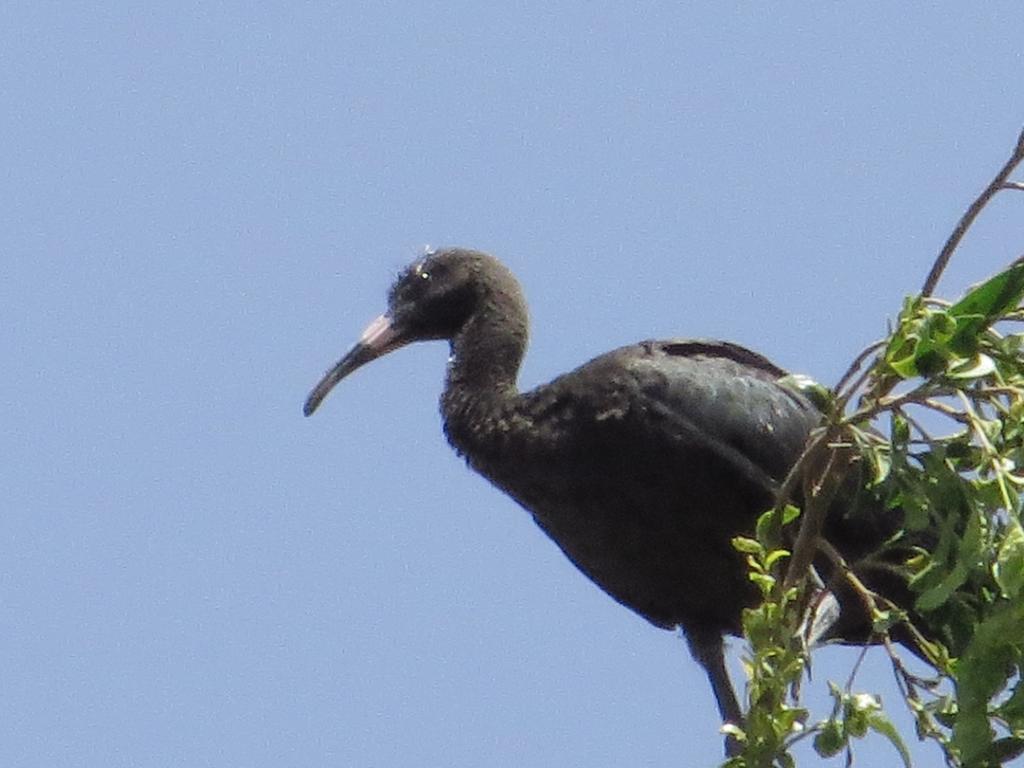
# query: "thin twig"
785,493
995,390
1018,185
913,397
857,363
870,600
918,395
968,218
843,399
926,437
843,570
856,668
816,504
945,410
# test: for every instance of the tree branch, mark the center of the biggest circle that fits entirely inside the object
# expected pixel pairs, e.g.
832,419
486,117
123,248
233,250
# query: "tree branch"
997,183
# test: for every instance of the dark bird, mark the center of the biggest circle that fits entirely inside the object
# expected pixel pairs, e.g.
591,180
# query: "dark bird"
641,465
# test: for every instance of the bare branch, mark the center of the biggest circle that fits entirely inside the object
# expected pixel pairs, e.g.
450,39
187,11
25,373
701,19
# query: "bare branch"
846,574
997,183
820,488
855,366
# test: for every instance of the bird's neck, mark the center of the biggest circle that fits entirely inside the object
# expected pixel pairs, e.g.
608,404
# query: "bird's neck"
481,401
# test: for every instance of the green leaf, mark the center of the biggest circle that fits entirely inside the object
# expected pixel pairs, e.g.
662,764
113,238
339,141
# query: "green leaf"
821,397
899,352
970,547
916,510
764,581
858,709
1013,708
883,621
981,673
789,514
880,724
941,592
968,555
769,524
774,557
747,546
905,365
1006,749
1009,566
731,729
940,326
932,349
830,740
972,368
984,304
899,429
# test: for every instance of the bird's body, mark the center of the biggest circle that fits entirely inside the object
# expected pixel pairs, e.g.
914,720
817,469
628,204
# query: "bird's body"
642,464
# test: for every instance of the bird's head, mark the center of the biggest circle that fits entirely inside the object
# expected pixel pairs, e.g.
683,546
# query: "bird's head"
433,298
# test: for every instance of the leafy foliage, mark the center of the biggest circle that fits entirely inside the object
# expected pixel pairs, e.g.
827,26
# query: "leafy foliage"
777,659
936,421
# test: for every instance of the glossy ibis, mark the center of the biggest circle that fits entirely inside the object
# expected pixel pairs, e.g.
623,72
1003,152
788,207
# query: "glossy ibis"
641,465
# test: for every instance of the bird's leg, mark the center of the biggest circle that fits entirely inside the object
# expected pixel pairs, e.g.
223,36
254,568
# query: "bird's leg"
708,649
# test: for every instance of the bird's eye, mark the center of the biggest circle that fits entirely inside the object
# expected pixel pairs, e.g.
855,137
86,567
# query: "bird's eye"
424,275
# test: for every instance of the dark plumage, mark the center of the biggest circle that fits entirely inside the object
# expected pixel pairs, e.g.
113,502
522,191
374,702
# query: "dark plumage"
641,465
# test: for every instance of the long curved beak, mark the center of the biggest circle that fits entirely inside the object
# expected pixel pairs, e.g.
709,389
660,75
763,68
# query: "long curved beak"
379,338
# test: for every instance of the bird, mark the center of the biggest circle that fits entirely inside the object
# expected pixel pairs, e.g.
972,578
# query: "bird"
641,465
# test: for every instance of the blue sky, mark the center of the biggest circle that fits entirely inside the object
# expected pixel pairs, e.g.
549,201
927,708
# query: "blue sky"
203,204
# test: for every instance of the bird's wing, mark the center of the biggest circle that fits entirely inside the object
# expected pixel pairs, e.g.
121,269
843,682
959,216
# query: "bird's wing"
732,397
716,399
